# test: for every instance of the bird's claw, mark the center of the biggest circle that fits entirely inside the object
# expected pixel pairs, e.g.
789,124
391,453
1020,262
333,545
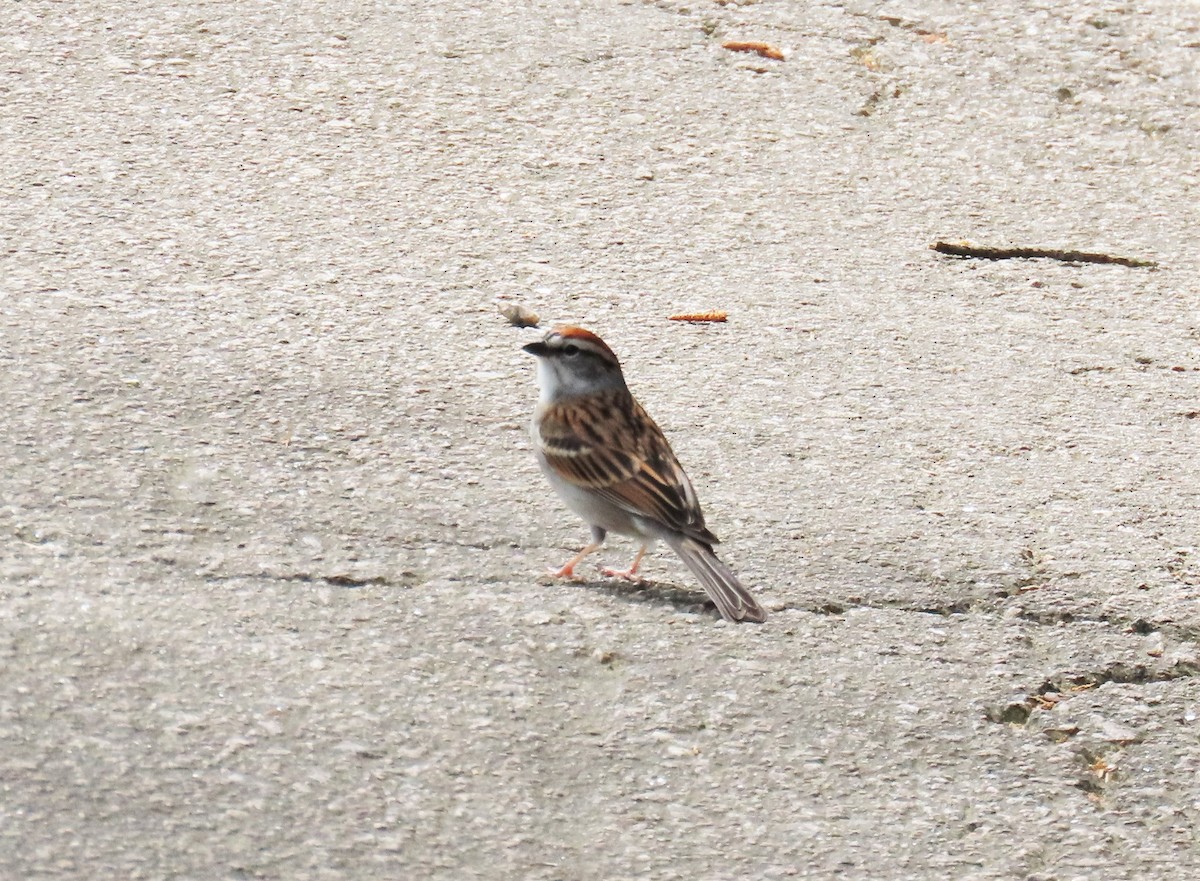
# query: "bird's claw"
625,574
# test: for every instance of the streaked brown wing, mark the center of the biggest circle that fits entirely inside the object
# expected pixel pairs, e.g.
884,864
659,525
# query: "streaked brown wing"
644,478
589,466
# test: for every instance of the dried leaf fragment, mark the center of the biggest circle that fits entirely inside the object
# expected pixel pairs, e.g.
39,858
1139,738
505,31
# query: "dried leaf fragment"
1047,701
1102,769
866,56
518,315
715,316
766,50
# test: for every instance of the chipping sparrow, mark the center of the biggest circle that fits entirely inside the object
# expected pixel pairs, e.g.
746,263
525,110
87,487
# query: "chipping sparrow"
613,467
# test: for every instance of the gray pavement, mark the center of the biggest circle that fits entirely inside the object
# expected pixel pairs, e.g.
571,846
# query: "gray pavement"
271,530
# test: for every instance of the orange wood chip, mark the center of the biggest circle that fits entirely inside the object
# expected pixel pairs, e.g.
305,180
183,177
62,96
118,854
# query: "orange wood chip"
766,50
700,316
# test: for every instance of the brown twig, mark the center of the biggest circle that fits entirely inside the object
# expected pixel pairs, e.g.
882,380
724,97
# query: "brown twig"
962,249
766,50
715,316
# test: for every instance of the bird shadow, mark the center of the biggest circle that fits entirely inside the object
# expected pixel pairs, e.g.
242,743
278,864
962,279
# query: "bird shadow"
656,592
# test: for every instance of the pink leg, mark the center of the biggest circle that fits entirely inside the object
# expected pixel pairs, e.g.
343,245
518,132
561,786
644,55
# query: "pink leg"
567,570
629,574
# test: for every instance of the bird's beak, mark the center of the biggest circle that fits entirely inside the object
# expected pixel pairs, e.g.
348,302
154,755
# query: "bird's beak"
539,349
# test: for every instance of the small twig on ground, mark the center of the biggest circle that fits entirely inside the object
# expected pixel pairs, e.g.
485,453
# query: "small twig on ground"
962,249
766,50
715,315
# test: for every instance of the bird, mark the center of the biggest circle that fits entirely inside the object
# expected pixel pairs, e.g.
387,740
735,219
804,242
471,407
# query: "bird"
613,466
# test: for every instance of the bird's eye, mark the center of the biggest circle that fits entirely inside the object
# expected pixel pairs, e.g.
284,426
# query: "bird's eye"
570,350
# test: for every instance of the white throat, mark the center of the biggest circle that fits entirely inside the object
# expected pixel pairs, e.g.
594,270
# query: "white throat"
560,381
547,382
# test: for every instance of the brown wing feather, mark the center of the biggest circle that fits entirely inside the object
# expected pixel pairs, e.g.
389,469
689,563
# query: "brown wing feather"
643,477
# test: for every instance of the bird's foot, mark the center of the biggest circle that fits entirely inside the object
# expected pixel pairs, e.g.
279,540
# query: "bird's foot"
566,571
630,574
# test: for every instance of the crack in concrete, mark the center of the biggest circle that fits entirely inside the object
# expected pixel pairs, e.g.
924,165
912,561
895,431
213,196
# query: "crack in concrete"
336,579
1063,686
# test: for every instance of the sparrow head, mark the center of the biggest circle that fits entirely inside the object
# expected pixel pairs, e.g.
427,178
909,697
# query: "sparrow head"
573,362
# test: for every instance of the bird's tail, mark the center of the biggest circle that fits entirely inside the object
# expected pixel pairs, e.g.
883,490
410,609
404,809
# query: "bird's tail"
733,600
